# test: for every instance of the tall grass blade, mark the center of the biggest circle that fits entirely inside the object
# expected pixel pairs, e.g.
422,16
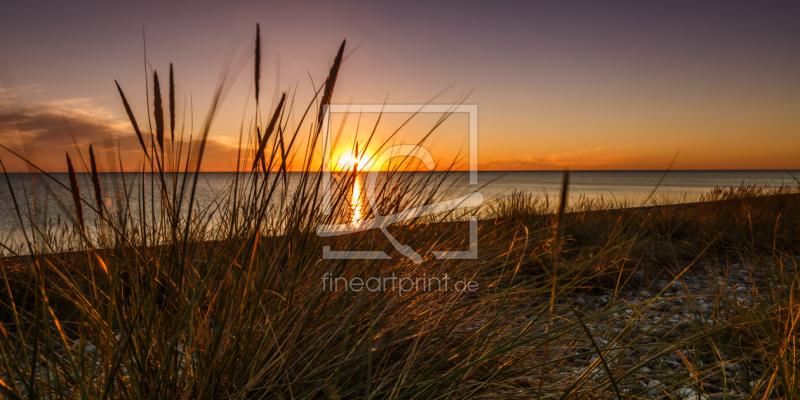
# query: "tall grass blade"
158,111
76,193
98,195
132,118
171,103
270,128
258,61
327,94
562,208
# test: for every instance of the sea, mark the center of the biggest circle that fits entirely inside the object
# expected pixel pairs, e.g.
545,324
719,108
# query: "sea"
46,199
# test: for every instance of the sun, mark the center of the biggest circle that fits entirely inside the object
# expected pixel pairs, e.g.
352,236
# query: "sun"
351,159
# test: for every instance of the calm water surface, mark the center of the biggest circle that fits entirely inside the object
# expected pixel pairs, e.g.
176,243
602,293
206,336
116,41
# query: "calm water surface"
52,201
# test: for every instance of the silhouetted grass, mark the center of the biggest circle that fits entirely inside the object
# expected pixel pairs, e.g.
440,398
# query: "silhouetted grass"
171,299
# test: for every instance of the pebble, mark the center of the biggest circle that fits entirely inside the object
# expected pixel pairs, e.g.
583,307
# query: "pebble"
652,388
690,394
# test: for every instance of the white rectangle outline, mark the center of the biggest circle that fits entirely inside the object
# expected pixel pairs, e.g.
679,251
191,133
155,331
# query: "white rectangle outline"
471,109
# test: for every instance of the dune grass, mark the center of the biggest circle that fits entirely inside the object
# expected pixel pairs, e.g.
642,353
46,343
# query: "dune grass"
169,299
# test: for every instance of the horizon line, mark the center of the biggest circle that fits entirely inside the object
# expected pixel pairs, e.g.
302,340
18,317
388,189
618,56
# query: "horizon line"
451,171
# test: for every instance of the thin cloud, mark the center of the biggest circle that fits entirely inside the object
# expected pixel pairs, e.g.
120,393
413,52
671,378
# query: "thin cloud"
9,95
558,162
44,132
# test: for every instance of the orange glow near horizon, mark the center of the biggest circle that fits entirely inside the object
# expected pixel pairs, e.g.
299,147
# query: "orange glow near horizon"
742,135
350,159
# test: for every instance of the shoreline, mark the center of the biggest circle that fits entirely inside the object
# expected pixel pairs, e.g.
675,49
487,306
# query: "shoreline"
482,221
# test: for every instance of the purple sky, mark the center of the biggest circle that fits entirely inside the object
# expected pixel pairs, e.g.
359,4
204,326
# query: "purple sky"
590,85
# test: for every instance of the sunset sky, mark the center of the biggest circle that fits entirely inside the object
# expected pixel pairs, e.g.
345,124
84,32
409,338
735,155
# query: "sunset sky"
591,85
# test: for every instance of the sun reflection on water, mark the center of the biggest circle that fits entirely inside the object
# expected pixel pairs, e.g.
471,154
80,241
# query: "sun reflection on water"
356,203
